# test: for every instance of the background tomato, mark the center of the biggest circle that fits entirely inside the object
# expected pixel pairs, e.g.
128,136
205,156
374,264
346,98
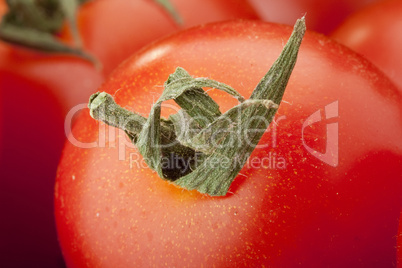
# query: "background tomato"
112,211
375,32
323,16
113,30
38,89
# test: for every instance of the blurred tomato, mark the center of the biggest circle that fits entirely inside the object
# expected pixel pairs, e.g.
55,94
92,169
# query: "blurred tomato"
113,30
376,33
36,90
322,16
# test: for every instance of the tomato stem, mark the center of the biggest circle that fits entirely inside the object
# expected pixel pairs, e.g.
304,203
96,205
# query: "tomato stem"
35,24
103,108
211,147
99,102
171,10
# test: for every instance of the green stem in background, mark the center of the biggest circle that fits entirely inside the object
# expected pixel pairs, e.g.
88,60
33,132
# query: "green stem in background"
34,24
171,10
69,9
211,147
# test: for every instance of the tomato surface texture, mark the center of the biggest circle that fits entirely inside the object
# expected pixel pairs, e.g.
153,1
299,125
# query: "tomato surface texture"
298,205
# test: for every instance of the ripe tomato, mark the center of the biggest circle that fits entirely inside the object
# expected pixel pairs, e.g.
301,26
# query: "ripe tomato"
38,90
324,16
113,30
374,32
312,201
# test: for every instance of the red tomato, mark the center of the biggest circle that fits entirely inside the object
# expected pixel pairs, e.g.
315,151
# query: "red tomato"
299,206
37,90
323,16
375,32
113,30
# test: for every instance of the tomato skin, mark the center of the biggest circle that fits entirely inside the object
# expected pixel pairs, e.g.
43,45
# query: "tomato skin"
113,30
323,16
374,32
308,213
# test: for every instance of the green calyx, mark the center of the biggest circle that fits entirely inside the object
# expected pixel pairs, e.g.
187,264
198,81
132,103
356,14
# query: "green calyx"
207,148
35,23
